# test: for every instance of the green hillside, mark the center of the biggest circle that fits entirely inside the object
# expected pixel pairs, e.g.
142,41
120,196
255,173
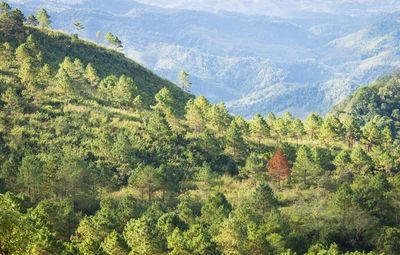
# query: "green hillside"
379,102
95,160
56,45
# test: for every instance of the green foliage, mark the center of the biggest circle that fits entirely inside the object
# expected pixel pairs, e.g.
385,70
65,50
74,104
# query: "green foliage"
78,26
143,237
235,144
331,129
264,198
259,128
113,40
389,241
377,100
20,234
313,124
114,244
97,170
215,209
305,171
32,20
43,18
183,78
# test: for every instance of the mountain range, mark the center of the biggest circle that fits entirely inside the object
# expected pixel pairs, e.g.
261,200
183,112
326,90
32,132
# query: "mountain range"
256,56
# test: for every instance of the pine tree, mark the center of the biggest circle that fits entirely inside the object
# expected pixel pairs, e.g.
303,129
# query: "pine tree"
278,167
32,20
123,91
113,40
4,8
387,138
165,102
194,117
183,78
218,119
91,76
332,129
281,129
43,18
254,169
259,128
312,125
352,131
297,129
264,199
304,171
361,161
235,143
65,84
372,136
78,27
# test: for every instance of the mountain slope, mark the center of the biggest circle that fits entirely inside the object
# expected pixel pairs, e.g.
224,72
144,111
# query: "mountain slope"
87,168
247,60
378,102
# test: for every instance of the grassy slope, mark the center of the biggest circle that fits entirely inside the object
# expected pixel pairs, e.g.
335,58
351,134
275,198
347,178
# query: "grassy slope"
57,45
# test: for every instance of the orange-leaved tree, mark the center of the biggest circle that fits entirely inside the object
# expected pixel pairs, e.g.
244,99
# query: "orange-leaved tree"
278,167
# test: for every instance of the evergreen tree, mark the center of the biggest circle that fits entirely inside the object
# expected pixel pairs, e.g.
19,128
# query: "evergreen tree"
147,179
384,161
165,102
243,126
259,128
305,171
387,138
142,236
297,129
352,131
361,161
65,84
78,27
216,209
91,76
254,169
123,91
43,18
371,136
312,125
321,157
32,20
218,119
113,40
264,199
4,8
183,78
194,117
235,144
332,129
31,177
210,145
281,129
114,244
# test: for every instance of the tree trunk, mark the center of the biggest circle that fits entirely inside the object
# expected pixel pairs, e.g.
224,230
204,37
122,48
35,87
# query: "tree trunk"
149,189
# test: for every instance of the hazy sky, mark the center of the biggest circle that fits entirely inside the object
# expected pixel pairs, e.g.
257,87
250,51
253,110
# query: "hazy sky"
281,7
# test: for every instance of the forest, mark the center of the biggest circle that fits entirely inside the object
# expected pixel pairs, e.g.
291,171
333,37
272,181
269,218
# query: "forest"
98,155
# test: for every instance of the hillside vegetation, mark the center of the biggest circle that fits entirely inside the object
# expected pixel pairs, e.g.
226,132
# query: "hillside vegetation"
304,61
379,102
100,156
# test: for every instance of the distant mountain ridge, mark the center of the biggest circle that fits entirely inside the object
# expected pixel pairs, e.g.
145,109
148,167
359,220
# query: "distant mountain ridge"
253,63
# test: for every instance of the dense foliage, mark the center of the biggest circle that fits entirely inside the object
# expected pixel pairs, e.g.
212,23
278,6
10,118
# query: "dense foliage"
97,158
379,102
